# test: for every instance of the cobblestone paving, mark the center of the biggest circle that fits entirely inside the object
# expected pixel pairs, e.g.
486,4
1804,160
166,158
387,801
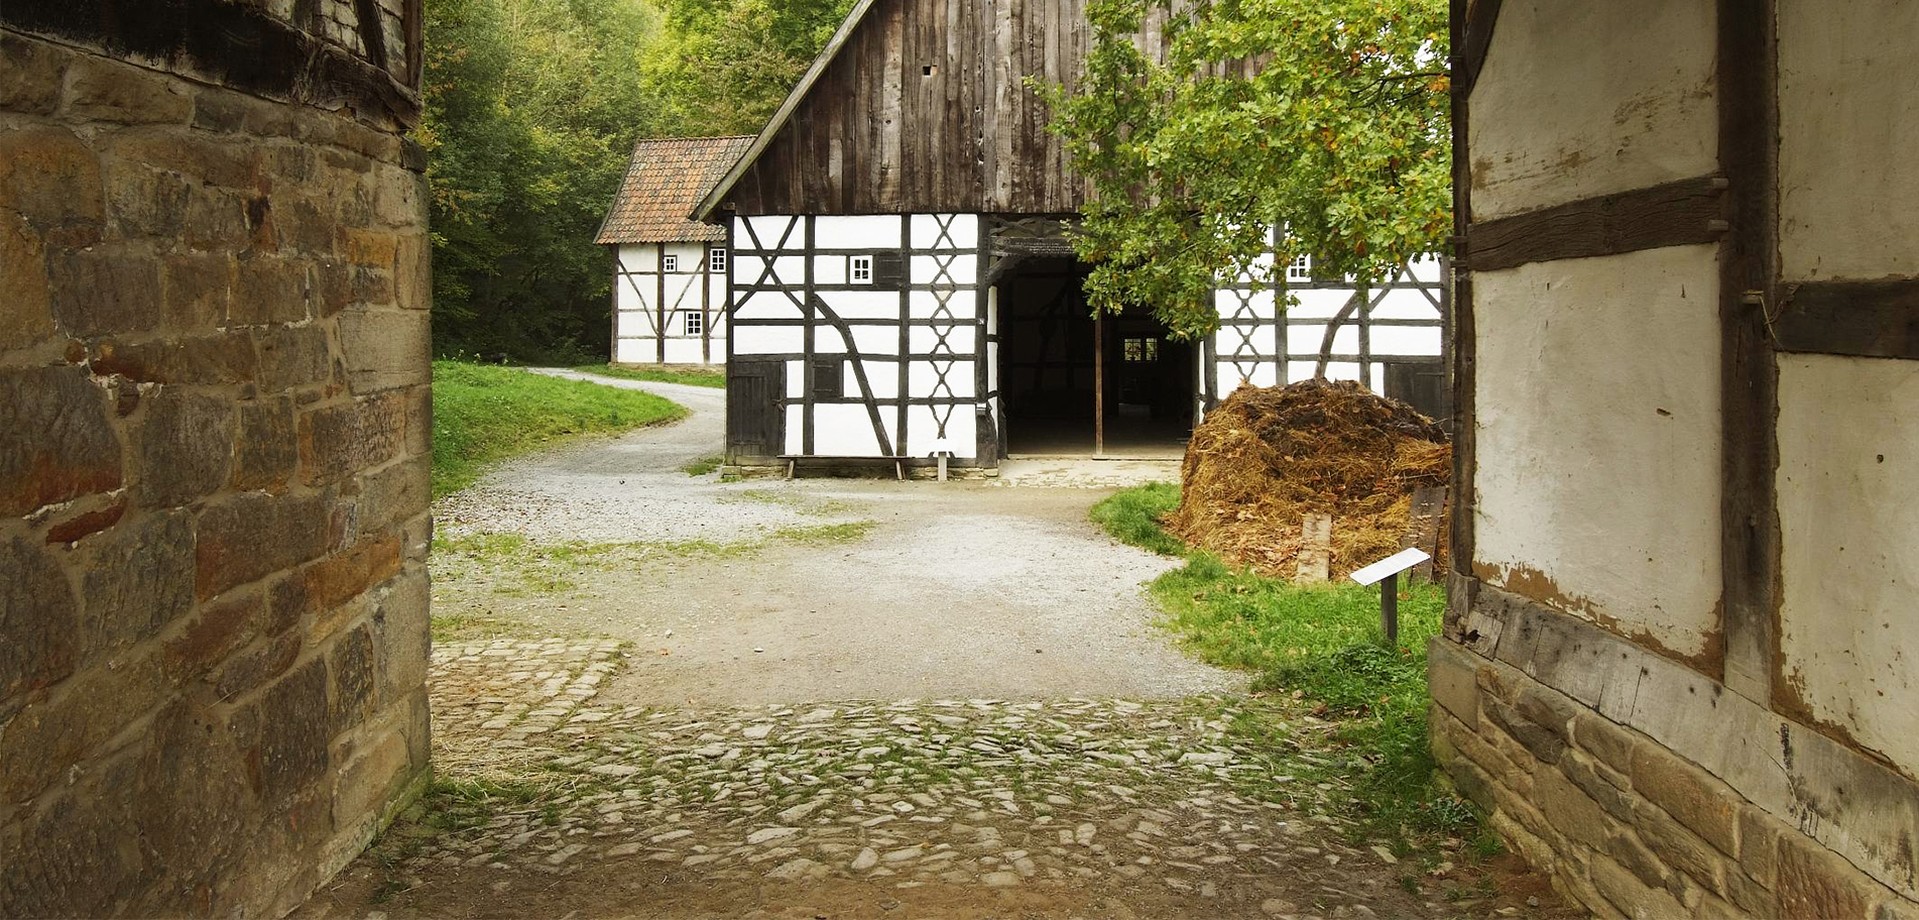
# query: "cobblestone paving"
1158,797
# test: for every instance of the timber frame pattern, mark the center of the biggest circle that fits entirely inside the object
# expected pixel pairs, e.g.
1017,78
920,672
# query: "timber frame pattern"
658,326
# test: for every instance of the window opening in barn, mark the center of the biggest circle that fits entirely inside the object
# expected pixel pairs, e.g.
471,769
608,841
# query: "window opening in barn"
929,70
669,263
1300,269
695,323
716,260
859,269
1054,359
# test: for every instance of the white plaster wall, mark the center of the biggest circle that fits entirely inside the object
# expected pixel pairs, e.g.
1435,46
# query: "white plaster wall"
876,231
636,294
1598,428
1849,139
1559,115
1848,465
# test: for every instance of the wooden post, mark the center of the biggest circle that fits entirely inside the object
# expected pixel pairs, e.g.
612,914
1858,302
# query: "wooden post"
706,303
1389,608
659,306
1099,383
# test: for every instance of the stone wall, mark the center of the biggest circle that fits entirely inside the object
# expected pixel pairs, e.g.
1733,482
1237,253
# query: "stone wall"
1621,821
214,429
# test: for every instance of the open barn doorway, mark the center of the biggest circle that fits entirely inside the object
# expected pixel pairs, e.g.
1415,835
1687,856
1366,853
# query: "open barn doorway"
1073,386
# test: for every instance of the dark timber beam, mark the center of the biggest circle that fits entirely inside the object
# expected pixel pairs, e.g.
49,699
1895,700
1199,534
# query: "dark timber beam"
1472,39
1749,383
237,45
1868,319
1675,214
1464,348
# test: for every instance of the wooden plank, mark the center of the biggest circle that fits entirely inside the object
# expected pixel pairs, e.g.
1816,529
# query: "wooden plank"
1747,80
1678,213
1465,366
1473,42
1868,319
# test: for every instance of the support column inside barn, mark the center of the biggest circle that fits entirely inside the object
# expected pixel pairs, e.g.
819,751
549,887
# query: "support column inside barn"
1099,385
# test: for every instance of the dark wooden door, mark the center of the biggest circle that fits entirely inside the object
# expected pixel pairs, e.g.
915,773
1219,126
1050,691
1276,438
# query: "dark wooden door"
755,391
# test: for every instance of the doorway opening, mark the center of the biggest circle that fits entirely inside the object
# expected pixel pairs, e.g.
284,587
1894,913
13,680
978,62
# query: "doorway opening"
1072,386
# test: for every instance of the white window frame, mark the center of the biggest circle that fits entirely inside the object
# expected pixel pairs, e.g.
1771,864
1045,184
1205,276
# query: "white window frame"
694,324
670,262
859,269
1300,269
716,260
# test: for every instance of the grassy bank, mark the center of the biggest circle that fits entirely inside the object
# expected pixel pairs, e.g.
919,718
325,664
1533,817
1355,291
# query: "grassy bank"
483,414
1321,644
698,377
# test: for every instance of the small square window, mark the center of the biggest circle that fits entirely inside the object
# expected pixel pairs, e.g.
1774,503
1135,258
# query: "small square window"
695,323
716,259
669,263
1301,269
859,269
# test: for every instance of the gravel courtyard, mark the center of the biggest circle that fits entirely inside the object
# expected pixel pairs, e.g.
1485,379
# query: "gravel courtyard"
663,695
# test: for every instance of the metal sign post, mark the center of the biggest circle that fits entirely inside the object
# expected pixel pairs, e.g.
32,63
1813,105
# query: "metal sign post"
1385,573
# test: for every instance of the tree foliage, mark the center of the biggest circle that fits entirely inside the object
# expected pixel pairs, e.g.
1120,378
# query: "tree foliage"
532,108
1325,117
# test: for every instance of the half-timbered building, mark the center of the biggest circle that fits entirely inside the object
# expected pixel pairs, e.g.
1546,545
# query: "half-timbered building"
903,284
669,271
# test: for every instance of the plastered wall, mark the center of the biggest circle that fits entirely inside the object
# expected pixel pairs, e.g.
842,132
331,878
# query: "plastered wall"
639,336
1849,122
1560,114
1597,490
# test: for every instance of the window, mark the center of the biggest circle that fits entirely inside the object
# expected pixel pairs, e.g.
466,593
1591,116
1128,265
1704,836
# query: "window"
695,323
716,260
1301,269
859,269
669,263
829,378
1143,350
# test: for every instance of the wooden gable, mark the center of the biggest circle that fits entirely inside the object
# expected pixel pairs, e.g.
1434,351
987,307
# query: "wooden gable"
922,106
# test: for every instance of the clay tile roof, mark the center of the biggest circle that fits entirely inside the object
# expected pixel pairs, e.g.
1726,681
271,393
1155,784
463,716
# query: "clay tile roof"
664,181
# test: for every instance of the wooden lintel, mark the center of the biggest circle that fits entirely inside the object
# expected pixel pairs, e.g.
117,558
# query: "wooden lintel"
1674,214
1870,319
237,45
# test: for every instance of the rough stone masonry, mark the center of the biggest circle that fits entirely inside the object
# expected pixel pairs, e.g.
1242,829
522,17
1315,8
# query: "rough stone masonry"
214,424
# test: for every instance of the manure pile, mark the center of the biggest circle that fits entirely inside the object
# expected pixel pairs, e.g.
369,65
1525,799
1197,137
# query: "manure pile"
1266,457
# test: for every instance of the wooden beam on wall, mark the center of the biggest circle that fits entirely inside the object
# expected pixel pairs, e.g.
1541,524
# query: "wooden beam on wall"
1747,90
1464,349
1471,40
1674,214
1868,319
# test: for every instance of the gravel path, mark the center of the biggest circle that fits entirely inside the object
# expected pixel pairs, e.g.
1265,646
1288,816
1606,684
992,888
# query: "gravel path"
965,588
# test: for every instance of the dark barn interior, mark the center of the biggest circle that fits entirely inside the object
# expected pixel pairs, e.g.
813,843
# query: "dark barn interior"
1119,386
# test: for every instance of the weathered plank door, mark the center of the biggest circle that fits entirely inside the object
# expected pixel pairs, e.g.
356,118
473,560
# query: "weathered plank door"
755,406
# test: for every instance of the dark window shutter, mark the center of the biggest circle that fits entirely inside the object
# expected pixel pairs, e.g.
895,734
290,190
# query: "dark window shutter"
828,378
889,269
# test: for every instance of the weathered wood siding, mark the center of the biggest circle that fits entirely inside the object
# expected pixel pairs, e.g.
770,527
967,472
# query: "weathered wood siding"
878,134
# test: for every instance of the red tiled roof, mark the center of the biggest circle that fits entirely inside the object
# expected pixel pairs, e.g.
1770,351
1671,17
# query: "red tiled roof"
664,181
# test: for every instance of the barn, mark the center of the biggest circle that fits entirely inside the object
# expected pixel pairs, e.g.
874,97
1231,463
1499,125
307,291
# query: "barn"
669,272
903,286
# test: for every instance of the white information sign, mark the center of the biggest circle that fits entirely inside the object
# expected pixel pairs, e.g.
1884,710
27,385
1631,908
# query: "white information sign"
1391,565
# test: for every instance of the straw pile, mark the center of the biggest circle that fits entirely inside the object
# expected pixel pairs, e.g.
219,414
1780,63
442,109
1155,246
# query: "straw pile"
1266,457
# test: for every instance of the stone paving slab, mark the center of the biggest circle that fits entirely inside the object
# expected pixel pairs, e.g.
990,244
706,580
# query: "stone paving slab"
1133,799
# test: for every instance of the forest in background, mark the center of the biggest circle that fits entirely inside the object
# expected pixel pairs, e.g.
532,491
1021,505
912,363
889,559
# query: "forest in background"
532,108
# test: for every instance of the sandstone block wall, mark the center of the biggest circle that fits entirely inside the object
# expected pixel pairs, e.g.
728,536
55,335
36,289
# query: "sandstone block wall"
1621,821
214,424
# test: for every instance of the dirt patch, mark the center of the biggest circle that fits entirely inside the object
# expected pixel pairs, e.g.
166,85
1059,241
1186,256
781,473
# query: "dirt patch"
1267,457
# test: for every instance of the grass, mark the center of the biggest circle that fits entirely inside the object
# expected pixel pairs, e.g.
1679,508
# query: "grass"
1323,645
699,377
703,466
483,414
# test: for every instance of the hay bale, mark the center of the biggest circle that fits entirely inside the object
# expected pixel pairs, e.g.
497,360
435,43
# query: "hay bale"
1267,456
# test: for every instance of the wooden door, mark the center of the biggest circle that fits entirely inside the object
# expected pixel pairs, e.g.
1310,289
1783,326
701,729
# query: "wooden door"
755,410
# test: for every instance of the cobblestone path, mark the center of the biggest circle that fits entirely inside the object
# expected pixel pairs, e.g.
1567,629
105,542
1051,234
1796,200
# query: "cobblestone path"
552,804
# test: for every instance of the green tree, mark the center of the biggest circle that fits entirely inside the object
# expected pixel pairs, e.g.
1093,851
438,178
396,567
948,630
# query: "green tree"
1325,117
724,66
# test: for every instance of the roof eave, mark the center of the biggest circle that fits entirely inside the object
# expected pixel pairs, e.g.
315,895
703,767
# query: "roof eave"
784,113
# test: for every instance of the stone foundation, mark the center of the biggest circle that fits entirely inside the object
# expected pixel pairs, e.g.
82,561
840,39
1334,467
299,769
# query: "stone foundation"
214,423
1621,822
